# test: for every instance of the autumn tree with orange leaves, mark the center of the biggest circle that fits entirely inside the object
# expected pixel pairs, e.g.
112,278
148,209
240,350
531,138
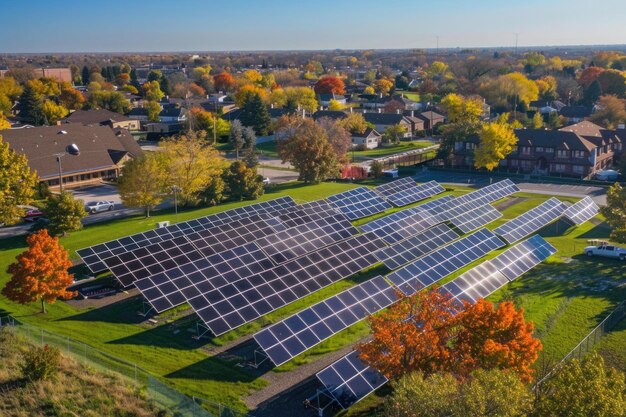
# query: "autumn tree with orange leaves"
495,338
40,273
423,333
223,81
330,85
414,334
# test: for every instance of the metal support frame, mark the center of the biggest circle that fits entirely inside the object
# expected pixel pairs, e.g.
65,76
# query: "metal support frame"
201,329
317,401
145,312
259,354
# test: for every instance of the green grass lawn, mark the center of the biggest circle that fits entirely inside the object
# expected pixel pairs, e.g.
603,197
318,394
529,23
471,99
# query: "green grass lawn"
390,150
565,298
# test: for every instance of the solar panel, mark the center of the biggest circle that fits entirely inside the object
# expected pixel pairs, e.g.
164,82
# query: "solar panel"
296,334
523,256
358,202
246,299
395,186
203,276
400,225
432,205
414,194
433,267
582,211
349,380
305,214
475,218
531,221
476,283
299,240
410,249
94,256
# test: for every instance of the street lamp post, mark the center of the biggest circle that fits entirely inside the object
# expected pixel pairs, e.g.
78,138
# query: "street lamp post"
70,149
176,189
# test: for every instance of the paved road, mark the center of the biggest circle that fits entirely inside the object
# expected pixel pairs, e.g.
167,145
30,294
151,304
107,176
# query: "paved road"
597,193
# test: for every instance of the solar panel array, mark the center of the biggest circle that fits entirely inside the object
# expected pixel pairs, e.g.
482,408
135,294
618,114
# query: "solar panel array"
431,268
431,206
582,211
474,218
531,221
410,249
417,193
349,380
358,202
400,225
94,256
246,298
292,336
395,186
305,238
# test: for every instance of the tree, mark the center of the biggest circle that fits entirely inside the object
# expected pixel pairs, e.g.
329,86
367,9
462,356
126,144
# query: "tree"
611,112
143,182
383,86
412,335
201,119
152,91
393,134
254,113
65,213
612,82
246,92
355,123
554,120
110,100
497,140
592,93
53,111
300,98
338,137
537,121
583,388
236,136
223,81
4,123
84,75
31,107
589,75
71,98
495,338
307,148
330,85
154,109
17,184
376,169
486,393
154,75
335,105
250,156
190,162
213,194
615,212
462,110
40,272
242,182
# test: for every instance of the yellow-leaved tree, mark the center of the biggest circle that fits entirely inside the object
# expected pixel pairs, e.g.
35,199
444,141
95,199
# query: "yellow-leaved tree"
17,184
497,140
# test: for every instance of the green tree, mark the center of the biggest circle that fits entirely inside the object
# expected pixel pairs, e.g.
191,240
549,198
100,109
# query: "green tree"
309,151
143,182
393,134
583,388
592,93
376,169
154,109
554,120
84,75
249,137
109,100
254,113
65,213
213,194
41,363
615,212
236,136
497,140
54,111
537,121
17,184
242,182
31,107
154,75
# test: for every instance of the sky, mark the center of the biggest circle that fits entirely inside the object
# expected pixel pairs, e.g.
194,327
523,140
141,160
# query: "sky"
34,26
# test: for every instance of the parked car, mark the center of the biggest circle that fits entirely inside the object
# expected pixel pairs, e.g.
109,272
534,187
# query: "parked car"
32,214
607,175
98,206
607,251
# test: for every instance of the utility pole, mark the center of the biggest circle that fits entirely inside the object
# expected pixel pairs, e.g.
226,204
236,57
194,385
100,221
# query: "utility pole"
516,40
437,45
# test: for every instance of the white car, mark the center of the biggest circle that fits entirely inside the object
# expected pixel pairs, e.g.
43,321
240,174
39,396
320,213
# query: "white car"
97,206
607,251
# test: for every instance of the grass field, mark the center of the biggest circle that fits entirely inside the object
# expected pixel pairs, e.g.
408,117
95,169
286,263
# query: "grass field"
390,150
565,297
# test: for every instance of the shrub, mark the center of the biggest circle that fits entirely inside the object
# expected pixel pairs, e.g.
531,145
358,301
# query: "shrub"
41,363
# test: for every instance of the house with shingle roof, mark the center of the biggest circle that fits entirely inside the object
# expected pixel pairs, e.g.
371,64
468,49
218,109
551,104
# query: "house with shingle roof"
382,121
102,117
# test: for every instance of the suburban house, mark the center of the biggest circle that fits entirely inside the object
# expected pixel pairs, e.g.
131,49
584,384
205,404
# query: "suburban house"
547,106
138,113
575,114
369,139
579,150
102,117
173,114
417,124
103,151
324,99
430,118
331,114
382,121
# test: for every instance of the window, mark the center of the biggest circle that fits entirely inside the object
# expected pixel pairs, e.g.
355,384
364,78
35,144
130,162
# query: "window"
513,163
525,150
539,149
579,154
549,150
514,148
470,145
578,169
558,167
561,153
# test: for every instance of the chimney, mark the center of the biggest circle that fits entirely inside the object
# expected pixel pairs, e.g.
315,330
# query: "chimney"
350,109
380,110
381,95
272,106
397,111
303,113
207,96
412,113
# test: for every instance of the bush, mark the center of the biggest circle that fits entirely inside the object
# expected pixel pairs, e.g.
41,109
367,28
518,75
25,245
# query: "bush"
41,363
360,147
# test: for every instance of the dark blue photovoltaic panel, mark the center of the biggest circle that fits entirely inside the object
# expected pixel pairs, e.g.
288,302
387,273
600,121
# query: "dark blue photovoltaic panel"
414,194
395,186
523,256
349,380
431,268
431,206
295,334
582,211
474,218
358,202
400,225
412,248
531,221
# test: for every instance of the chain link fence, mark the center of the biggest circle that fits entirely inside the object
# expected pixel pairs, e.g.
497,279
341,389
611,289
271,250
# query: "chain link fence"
162,394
